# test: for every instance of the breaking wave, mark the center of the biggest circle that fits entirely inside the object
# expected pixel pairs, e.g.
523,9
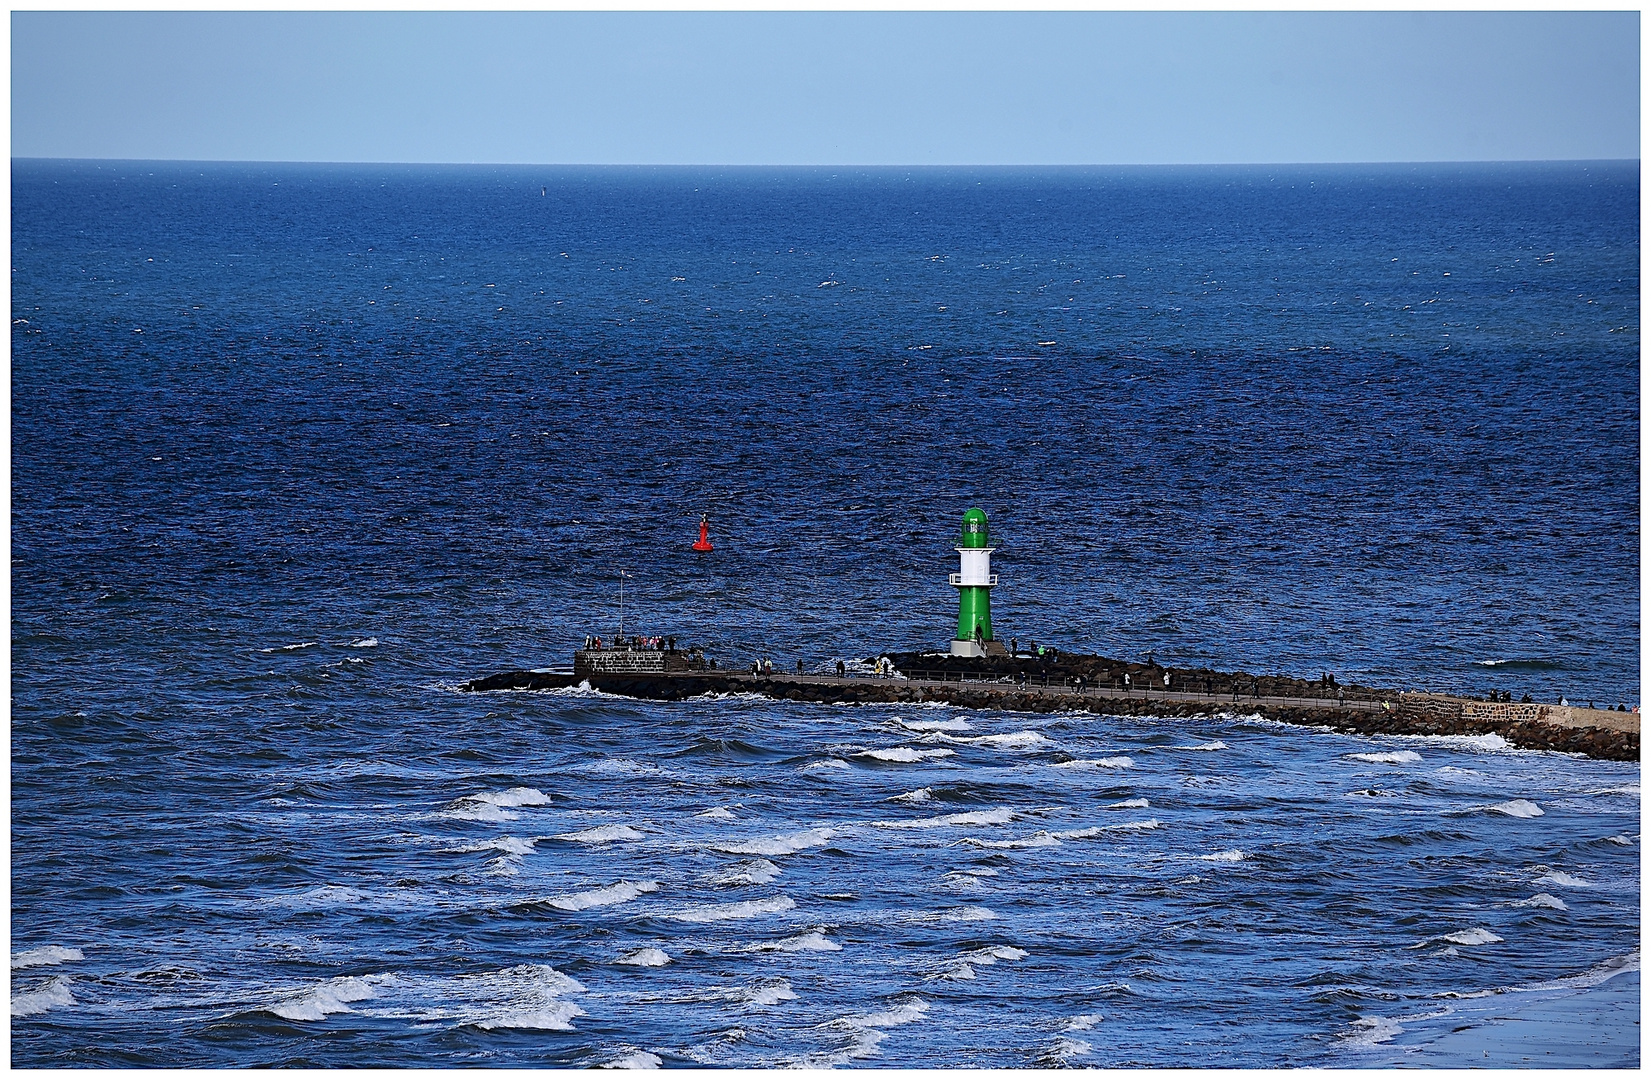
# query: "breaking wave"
788,844
602,834
46,954
613,894
748,909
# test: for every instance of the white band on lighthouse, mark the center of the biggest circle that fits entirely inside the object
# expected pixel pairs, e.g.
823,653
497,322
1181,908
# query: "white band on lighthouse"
976,567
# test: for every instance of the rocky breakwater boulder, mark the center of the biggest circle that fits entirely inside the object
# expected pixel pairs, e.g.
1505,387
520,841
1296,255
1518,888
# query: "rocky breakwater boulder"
1595,733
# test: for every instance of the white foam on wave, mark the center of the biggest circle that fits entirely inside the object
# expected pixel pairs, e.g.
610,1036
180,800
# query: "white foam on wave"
1388,757
1542,900
971,913
1519,808
1454,771
921,795
1064,1050
1224,856
825,763
1372,1031
1119,762
614,894
54,994
621,766
905,1012
718,813
867,1033
1491,743
764,995
555,1016
320,1002
813,941
1209,746
637,1059
905,754
748,872
1036,840
581,691
971,817
479,811
1014,740
978,871
1600,972
495,805
787,844
736,695
1097,830
363,643
1626,789
1560,877
991,954
1129,804
748,909
509,845
290,648
954,724
602,834
316,899
45,955
958,970
1620,838
1083,1023
1476,935
526,997
648,956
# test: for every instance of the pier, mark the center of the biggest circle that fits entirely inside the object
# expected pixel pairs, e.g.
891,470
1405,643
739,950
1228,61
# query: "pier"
1597,733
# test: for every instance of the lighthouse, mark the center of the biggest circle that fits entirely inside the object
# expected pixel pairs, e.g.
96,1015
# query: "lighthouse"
974,582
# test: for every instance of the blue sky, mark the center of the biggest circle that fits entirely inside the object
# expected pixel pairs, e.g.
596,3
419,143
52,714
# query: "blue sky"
803,88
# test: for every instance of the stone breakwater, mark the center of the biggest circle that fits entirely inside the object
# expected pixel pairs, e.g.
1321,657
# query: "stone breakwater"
1594,733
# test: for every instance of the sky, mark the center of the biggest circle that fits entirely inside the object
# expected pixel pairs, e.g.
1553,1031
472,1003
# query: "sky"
826,88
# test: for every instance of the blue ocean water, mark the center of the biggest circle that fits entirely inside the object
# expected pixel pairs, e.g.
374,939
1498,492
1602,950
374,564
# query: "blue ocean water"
296,449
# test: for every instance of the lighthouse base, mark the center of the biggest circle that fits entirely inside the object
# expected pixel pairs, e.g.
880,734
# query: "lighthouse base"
970,647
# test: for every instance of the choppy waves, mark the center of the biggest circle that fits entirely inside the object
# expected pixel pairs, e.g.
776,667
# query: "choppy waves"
862,911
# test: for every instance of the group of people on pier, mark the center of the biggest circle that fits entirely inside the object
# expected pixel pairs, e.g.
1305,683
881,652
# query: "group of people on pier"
634,641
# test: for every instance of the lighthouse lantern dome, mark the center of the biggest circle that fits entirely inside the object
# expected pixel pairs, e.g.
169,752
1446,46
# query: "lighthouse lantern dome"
975,533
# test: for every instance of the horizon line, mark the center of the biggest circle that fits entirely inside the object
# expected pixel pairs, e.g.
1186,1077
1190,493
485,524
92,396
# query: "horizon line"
833,165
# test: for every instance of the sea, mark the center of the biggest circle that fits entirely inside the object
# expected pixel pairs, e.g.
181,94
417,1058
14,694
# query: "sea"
298,449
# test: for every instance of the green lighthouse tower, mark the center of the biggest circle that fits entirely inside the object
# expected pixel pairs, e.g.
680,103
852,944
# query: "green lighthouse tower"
974,583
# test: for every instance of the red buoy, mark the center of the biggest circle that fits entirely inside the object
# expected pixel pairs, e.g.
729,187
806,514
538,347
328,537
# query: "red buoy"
704,541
